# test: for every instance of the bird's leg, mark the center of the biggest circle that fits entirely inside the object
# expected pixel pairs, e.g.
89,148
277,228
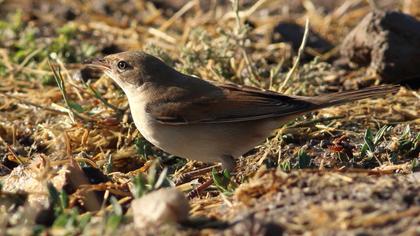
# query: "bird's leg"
183,178
228,163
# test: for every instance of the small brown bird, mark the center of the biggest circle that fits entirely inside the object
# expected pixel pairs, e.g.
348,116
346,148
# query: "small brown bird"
205,121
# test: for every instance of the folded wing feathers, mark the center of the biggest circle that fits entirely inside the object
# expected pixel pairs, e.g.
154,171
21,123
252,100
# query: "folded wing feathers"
238,104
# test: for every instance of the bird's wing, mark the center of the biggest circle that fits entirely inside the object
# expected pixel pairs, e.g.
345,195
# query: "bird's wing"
224,104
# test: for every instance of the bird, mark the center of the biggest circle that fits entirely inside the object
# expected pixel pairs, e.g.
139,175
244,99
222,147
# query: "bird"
208,121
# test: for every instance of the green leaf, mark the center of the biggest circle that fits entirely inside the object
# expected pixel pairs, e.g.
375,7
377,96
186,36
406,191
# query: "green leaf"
64,200
116,206
415,165
380,134
304,160
368,138
19,56
162,181
143,147
112,223
84,220
364,150
226,174
38,229
139,186
54,198
67,30
394,158
61,220
285,166
221,180
75,106
17,20
48,80
151,176
406,133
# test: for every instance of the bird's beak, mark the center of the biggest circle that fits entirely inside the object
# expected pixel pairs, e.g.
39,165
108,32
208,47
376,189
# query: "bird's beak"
99,63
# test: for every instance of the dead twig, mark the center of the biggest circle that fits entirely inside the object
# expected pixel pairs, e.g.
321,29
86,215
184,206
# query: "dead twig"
297,60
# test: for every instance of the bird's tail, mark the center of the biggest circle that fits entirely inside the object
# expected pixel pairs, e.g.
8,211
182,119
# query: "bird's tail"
349,96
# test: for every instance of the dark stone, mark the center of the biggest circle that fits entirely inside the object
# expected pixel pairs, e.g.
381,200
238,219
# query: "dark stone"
293,34
273,229
387,42
86,74
111,49
94,175
69,14
45,217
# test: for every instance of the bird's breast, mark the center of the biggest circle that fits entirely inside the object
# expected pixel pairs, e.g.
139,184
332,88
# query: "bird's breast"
159,135
144,123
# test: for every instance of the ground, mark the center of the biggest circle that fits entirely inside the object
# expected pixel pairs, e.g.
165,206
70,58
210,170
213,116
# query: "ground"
68,142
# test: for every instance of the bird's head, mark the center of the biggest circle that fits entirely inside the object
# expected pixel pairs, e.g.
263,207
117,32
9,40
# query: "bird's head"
132,69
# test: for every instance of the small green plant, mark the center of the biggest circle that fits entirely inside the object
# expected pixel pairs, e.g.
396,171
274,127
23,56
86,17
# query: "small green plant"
415,165
203,48
64,217
144,184
408,147
408,143
74,109
143,147
222,180
304,160
28,47
140,187
285,166
62,47
59,200
372,141
114,219
11,27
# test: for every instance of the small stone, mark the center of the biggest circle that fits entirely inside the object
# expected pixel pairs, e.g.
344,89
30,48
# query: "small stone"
166,205
32,179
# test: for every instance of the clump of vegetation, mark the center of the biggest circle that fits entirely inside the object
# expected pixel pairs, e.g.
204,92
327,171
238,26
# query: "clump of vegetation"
28,48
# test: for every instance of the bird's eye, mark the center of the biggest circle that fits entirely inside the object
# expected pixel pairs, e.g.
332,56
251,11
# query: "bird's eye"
122,65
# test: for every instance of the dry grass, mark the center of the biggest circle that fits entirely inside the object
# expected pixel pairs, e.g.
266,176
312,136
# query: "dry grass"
339,190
